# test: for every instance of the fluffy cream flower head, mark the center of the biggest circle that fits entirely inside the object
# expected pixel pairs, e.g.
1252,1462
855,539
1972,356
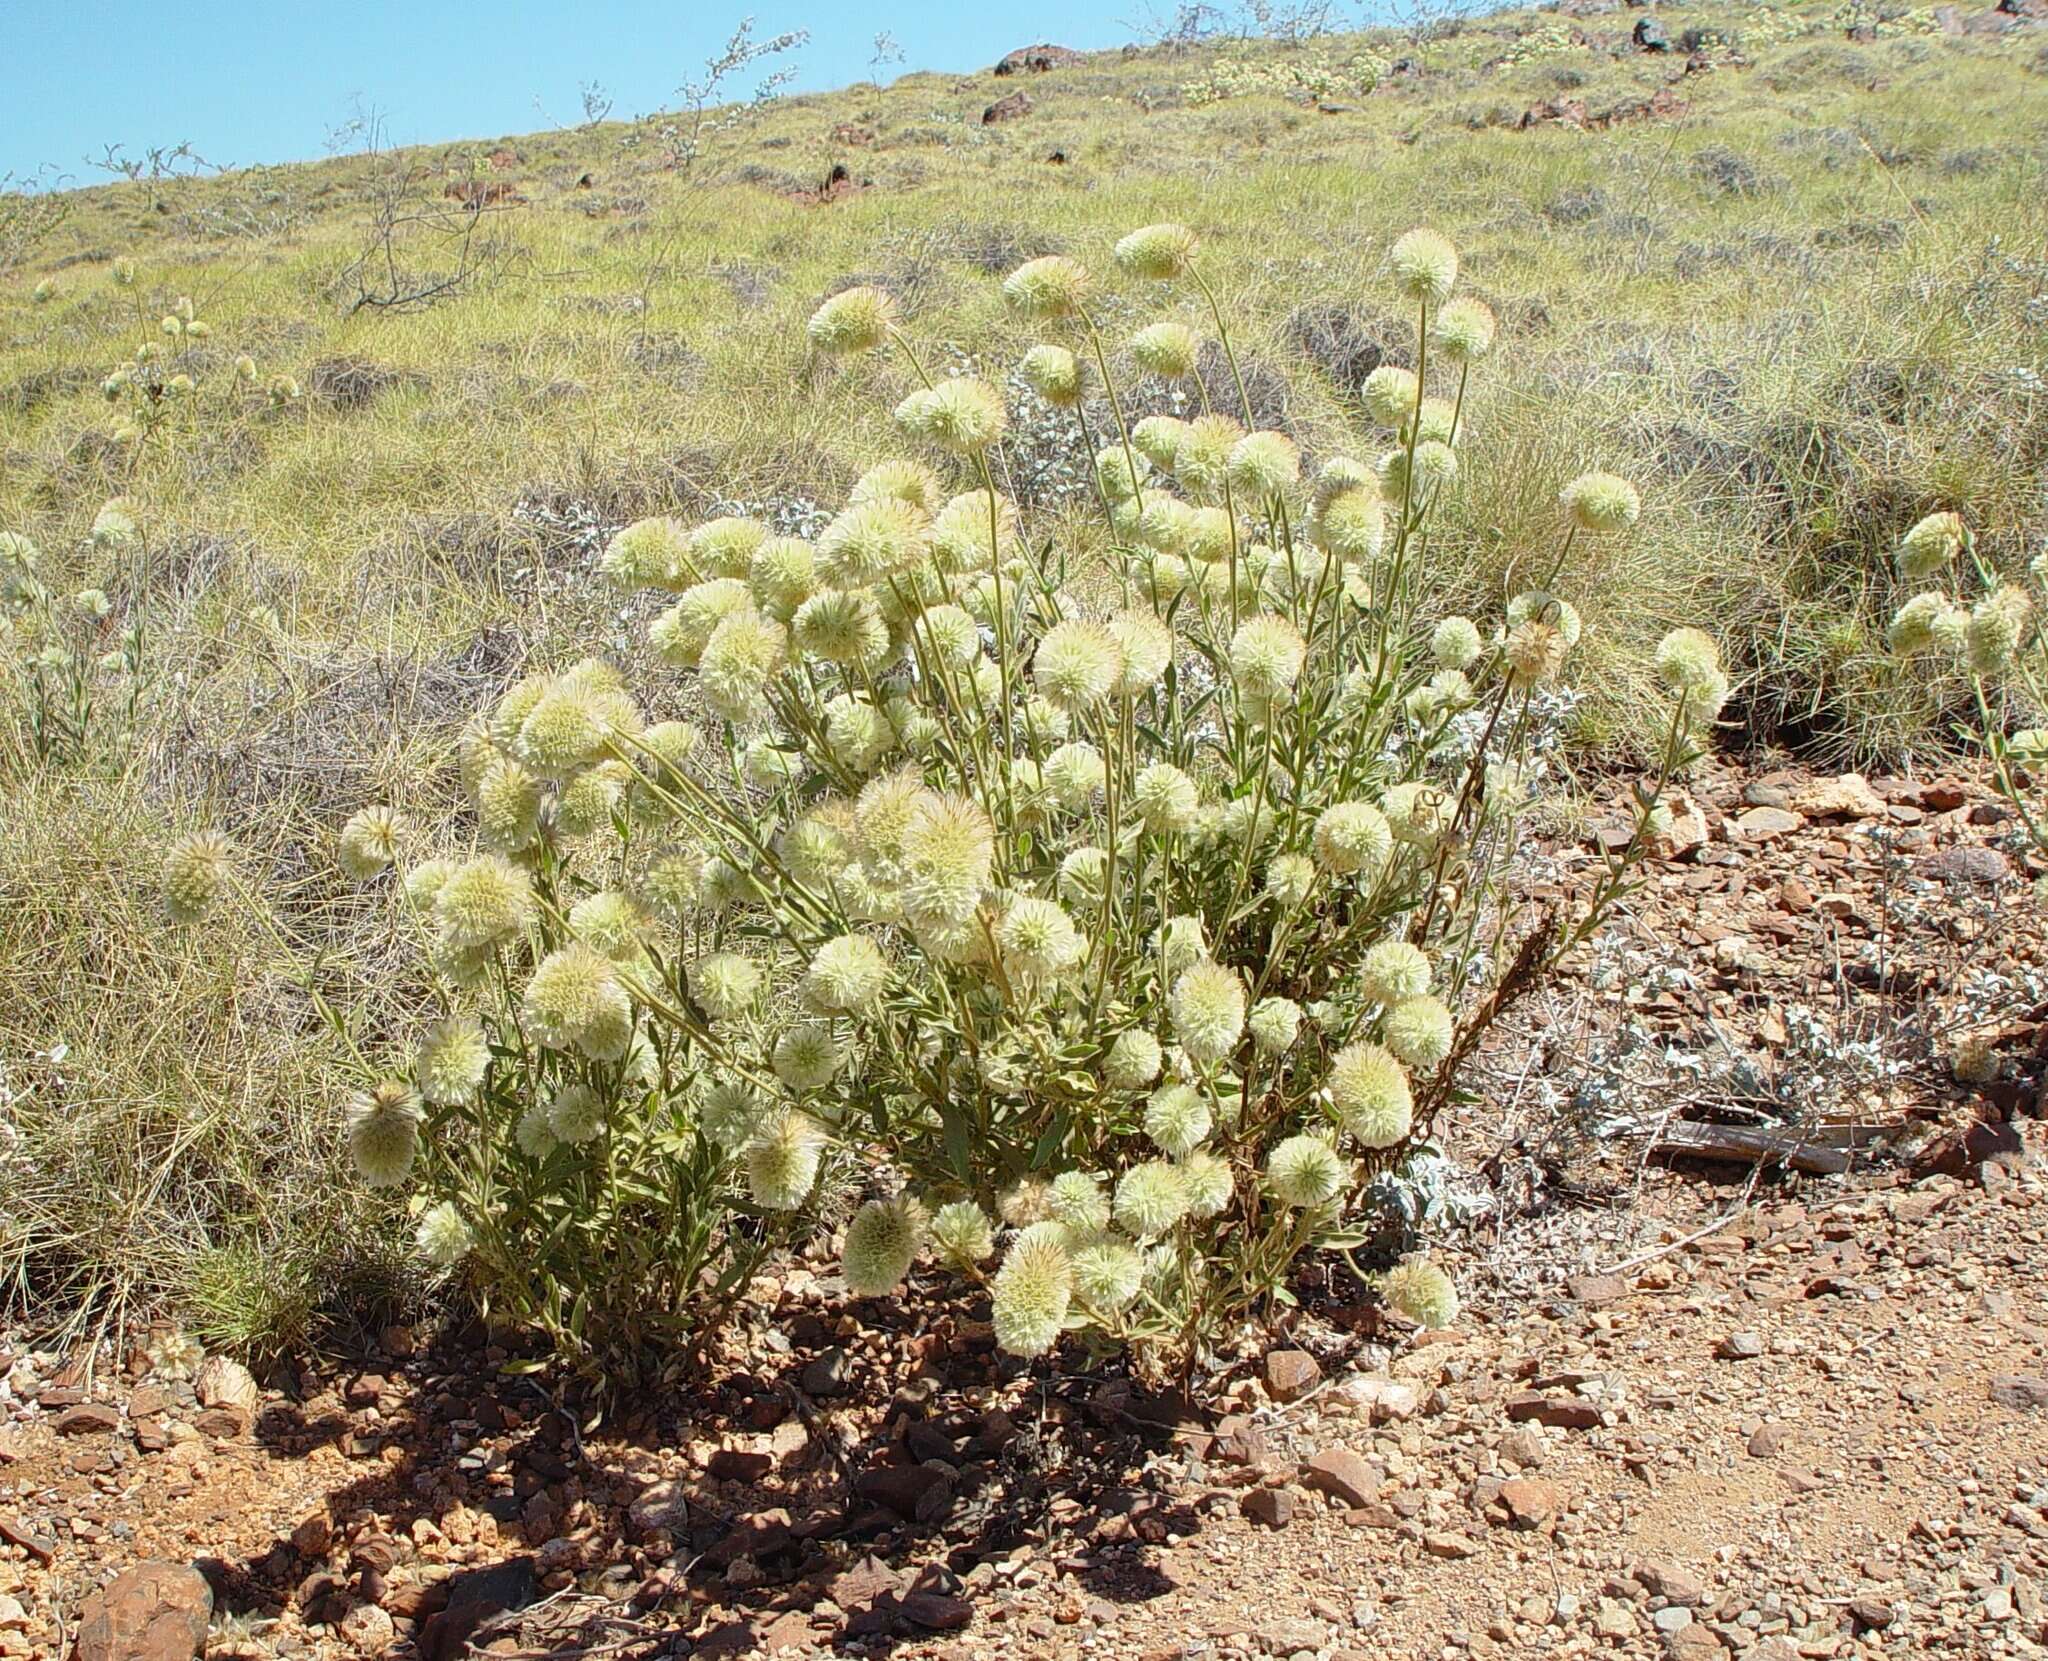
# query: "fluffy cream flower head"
854,320
1167,349
575,1000
1177,1120
1158,253
1266,655
1054,373
1150,1199
481,903
1422,1292
1264,464
1418,1030
1930,544
1463,330
1305,1171
1207,1005
1601,502
444,1237
1369,1095
383,1133
1051,286
452,1059
198,869
882,1242
846,975
1031,1294
962,414
1391,394
1353,837
962,1234
1077,665
782,1161
1425,266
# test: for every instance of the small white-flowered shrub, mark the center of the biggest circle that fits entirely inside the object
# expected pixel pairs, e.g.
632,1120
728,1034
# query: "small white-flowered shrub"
1121,913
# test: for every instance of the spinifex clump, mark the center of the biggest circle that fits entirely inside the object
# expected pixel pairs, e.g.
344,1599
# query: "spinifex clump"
1121,911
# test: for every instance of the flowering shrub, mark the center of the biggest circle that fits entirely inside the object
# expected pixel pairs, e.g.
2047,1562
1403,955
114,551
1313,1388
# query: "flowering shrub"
1316,76
1117,918
1965,616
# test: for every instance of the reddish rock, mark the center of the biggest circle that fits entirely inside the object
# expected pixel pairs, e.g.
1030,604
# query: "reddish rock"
916,1493
935,1611
1530,1501
153,1612
1352,1478
1559,1412
91,1418
2017,1390
1594,1290
1012,108
1291,1374
1272,1507
740,1465
1037,60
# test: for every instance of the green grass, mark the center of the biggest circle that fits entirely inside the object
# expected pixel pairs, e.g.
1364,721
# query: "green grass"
1800,313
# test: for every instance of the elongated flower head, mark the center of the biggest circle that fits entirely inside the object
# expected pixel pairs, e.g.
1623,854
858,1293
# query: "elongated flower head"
1418,1031
1391,394
1207,1007
1150,1199
782,1161
452,1059
1158,253
1425,266
384,1133
1422,1292
1601,502
1274,1023
576,1001
1077,665
369,841
1166,799
882,1242
1178,1120
1305,1171
1158,438
1054,373
1167,349
962,414
1266,655
198,869
1462,330
963,1235
1998,623
1353,837
853,320
1392,972
1031,1294
1369,1095
1930,544
1051,286
483,902
1076,1201
444,1238
846,976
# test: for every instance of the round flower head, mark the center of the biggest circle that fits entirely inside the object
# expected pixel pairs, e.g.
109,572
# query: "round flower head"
1433,466
1274,1023
452,1059
725,984
1054,373
882,1242
1418,1030
806,1056
1157,252
1158,438
423,881
114,526
1166,349
725,547
730,1114
1132,1062
1601,502
1416,812
1354,525
1369,1095
1688,659
1290,879
1077,665
443,1237
1038,939
1147,647
1202,461
1392,972
198,869
744,653
576,1115
870,542
782,575
1180,944
1177,1120
1425,266
1534,652
950,635
575,1001
1997,624
1207,1007
782,1161
1421,1291
1081,876
1107,1275
948,852
1930,545
1031,1294
1266,655
1074,775
1150,1199
369,841
1462,330
962,414
532,1134
1264,464
1455,643
1166,799
680,634
649,553
1537,606
1306,1171
1048,287
962,1235
481,903
1353,837
854,320
508,806
847,975
1028,1201
858,734
1075,1200
384,1133
1391,394
842,625
1920,624
1209,1183
909,482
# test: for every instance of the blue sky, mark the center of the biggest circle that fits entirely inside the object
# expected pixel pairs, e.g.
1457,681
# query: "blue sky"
268,80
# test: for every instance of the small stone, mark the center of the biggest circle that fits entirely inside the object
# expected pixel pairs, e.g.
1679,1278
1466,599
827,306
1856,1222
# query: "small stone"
2020,1391
660,1508
1847,797
1451,1546
1872,1614
225,1383
1291,1374
1272,1507
1671,1581
91,1418
916,1493
1595,1290
152,1612
936,1611
739,1465
1740,1346
1766,1441
1767,824
1558,1412
1672,1618
1531,1502
1339,1471
367,1629
828,1374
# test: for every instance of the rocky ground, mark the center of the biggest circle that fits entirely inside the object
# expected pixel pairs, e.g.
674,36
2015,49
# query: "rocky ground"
1754,1362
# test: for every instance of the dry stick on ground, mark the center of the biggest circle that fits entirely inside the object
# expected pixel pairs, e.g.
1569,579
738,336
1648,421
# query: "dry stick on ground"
1719,1223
